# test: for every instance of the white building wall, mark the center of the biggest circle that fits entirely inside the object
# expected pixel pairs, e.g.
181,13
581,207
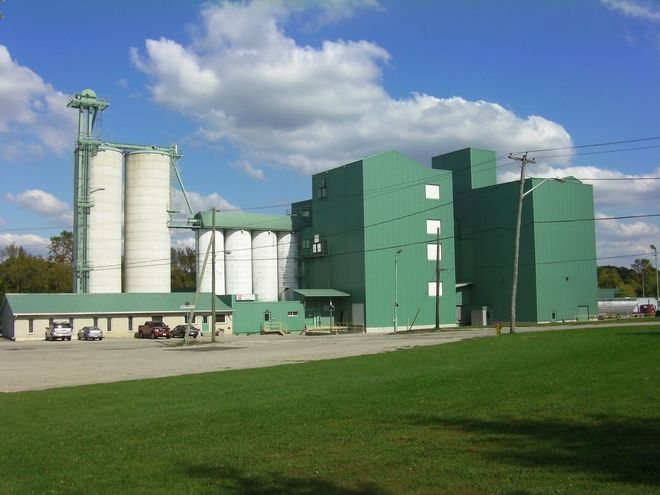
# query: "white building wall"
238,262
105,221
146,234
264,265
204,239
287,263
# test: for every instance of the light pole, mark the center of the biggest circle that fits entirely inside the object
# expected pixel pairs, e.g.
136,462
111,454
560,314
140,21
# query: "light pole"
516,250
396,289
655,254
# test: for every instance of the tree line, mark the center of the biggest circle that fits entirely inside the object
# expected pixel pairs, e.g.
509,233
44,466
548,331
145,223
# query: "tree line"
637,281
22,272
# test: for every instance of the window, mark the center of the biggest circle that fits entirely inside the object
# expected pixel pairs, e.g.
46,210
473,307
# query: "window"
109,327
96,321
432,191
323,189
433,227
292,313
431,289
30,325
432,251
130,323
205,319
220,318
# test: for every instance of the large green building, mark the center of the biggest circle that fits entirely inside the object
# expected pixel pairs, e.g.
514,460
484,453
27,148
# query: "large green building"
370,250
371,230
557,278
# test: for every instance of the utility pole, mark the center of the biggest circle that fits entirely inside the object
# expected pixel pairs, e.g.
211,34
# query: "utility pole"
437,280
396,289
516,250
657,298
213,276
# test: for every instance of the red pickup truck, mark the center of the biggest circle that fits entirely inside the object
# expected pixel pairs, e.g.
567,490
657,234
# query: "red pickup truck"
154,329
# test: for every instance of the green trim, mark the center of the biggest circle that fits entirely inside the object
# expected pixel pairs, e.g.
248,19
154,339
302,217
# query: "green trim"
71,304
321,293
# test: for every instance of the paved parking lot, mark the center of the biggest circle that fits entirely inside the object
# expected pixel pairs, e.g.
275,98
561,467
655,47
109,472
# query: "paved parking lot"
41,365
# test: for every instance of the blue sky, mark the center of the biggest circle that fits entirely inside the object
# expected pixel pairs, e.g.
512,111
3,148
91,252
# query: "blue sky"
260,95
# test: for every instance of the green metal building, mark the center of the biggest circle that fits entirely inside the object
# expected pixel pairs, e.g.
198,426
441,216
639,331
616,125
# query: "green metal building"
557,278
370,232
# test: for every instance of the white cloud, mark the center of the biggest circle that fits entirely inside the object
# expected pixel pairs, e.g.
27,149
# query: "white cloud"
631,238
612,188
200,202
310,108
122,83
249,169
34,119
32,243
644,10
44,203
184,240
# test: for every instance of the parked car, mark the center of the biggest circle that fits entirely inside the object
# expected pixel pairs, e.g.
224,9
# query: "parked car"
179,331
59,330
90,333
154,329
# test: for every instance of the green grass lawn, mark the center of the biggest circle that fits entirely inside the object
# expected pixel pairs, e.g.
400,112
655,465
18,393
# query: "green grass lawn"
564,412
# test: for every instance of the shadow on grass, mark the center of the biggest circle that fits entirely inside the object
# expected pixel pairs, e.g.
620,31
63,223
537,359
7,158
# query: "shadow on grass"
616,449
234,482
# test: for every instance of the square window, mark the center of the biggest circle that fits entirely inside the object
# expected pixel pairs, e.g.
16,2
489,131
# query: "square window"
432,227
431,289
432,191
432,252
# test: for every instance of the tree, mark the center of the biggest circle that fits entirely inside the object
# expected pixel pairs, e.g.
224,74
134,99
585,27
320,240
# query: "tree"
183,270
643,270
608,277
61,248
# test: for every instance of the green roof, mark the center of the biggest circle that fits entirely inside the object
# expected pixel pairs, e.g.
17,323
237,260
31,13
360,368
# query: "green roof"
321,293
246,221
71,304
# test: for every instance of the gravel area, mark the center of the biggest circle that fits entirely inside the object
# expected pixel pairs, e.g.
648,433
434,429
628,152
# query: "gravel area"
39,365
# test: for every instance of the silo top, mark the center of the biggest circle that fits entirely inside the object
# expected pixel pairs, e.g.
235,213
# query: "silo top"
88,93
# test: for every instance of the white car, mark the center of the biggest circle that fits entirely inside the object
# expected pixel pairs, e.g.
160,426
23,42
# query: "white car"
59,330
90,333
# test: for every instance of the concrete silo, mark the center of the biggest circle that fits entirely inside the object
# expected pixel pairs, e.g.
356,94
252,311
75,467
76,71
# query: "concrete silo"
105,220
238,262
204,245
264,265
146,233
287,263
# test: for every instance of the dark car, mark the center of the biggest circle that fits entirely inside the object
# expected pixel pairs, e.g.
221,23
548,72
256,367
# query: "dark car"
154,329
180,330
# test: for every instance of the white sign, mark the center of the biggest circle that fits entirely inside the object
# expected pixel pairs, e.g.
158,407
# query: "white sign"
245,297
187,306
